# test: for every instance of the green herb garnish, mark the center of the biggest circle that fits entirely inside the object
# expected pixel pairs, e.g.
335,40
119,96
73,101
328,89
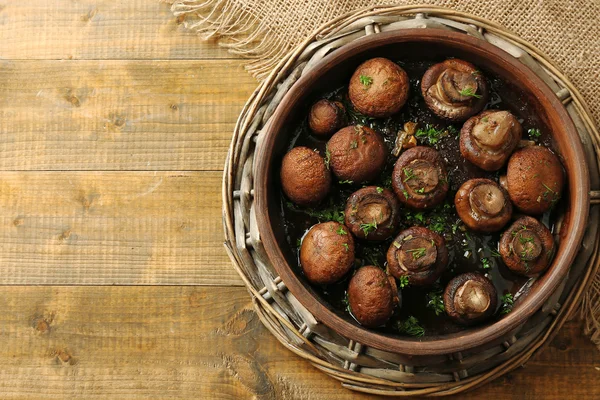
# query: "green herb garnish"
346,182
411,327
345,246
341,231
403,281
433,135
485,263
436,302
469,91
408,174
365,80
379,190
534,133
417,253
368,228
507,303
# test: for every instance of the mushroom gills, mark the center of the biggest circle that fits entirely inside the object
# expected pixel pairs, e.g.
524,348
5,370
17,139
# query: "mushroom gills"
471,299
416,254
487,200
493,130
452,85
421,176
527,245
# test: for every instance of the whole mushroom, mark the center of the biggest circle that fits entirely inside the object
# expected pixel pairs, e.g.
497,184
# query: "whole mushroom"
356,153
372,213
378,88
489,138
454,89
527,247
326,117
534,179
419,178
483,205
419,254
305,178
372,296
327,253
470,298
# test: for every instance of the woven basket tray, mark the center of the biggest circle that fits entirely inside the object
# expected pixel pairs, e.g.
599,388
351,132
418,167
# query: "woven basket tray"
359,367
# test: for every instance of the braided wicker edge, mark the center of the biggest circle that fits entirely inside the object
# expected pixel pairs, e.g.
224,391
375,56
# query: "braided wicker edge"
356,366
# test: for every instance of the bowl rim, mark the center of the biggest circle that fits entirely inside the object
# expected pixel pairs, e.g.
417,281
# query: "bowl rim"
577,177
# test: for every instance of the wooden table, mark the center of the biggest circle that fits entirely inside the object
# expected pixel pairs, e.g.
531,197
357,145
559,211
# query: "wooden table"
114,125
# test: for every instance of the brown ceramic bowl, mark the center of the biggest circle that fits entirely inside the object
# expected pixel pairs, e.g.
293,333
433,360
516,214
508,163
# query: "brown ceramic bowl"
335,71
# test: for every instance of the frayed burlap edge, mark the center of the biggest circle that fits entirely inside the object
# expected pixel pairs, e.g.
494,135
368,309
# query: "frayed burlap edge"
245,34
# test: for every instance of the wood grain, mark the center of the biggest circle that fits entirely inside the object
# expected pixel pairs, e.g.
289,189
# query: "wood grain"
109,228
98,29
119,115
206,343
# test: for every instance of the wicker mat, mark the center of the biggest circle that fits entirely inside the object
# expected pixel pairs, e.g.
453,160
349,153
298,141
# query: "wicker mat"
568,31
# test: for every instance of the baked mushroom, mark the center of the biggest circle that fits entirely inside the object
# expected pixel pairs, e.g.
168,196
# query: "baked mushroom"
470,298
356,153
454,89
534,179
372,213
305,178
327,253
418,253
326,117
527,247
419,178
489,138
378,88
483,205
372,297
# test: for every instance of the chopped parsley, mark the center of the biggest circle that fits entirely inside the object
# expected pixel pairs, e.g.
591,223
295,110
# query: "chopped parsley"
403,281
436,302
507,303
411,327
417,253
534,133
468,91
368,228
485,263
365,80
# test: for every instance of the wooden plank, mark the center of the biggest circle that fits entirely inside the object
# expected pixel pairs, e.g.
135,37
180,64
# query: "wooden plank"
126,228
98,29
206,343
119,115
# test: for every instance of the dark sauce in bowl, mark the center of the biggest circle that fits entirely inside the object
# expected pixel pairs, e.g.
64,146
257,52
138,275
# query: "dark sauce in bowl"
468,251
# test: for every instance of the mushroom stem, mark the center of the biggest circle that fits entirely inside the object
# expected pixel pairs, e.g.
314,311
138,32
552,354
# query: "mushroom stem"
471,299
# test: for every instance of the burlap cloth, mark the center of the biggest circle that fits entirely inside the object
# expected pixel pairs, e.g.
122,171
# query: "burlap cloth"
568,31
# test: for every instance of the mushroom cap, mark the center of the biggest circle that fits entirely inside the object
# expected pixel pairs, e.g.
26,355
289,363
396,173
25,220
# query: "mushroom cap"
326,117
378,88
489,138
372,213
535,179
357,153
371,296
454,89
483,205
418,253
327,253
470,298
419,178
527,247
305,179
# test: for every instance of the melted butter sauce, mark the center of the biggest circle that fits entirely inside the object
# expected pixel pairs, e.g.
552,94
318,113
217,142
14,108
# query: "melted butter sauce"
468,251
